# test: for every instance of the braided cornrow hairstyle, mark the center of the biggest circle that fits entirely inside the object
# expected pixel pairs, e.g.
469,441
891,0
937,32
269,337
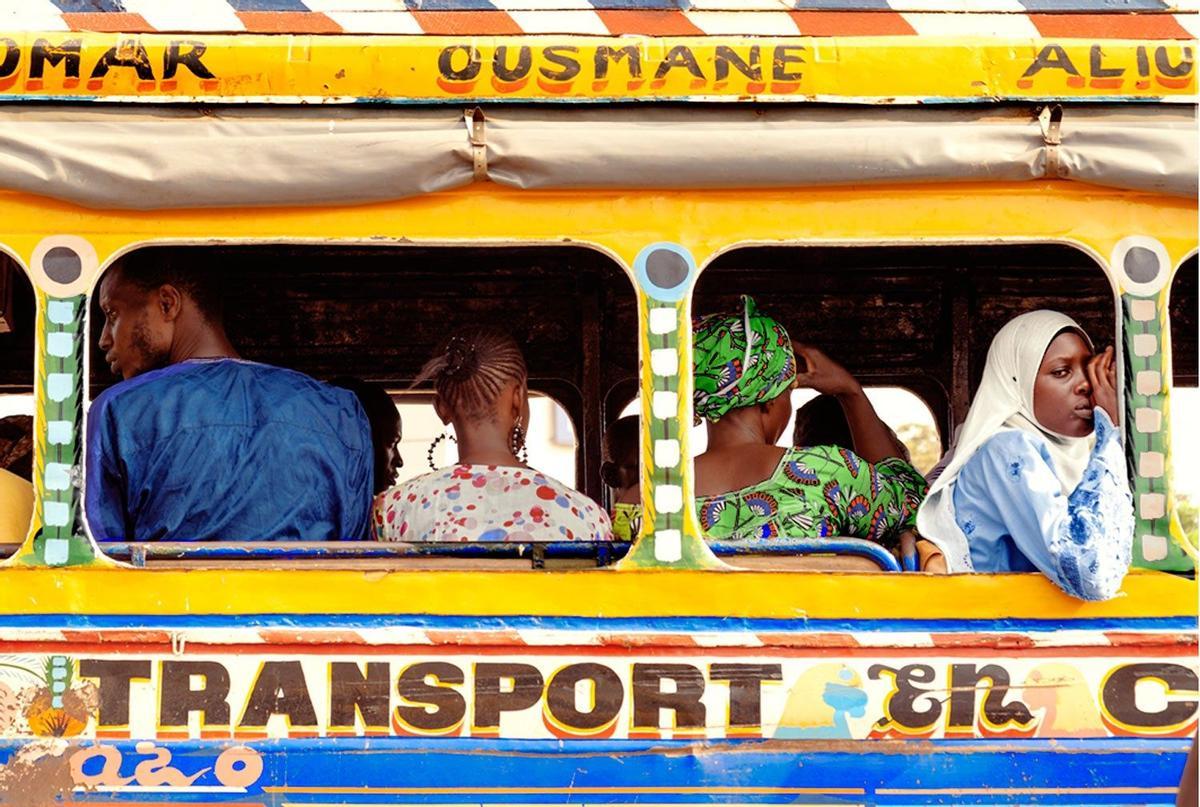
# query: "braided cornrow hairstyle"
469,370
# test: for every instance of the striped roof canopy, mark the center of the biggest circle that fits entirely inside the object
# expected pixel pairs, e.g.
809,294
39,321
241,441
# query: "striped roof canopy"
1101,19
383,51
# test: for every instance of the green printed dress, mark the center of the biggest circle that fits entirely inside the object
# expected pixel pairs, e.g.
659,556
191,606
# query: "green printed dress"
815,492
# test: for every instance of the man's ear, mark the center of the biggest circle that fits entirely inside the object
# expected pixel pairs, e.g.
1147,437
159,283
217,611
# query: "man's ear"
609,475
170,302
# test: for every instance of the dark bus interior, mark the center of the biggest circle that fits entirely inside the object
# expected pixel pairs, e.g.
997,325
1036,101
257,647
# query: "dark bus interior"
917,317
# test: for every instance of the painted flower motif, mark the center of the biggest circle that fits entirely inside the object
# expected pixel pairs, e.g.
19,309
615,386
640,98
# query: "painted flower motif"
851,461
710,513
800,473
763,505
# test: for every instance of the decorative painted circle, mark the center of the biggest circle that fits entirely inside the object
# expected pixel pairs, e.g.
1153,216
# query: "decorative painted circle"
64,265
665,271
1142,265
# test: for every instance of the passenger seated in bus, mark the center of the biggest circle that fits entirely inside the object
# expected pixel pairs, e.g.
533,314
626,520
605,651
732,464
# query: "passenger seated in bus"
16,507
384,418
196,444
822,422
1038,478
619,470
749,489
491,494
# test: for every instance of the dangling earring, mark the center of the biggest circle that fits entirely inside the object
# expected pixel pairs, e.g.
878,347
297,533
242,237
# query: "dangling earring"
434,445
517,443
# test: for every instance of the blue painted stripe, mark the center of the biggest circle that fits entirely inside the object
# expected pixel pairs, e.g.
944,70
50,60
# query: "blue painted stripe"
641,5
88,6
449,5
1094,6
1180,624
841,5
378,770
268,5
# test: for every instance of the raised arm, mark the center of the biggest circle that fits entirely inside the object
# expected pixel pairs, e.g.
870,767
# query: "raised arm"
873,440
1081,541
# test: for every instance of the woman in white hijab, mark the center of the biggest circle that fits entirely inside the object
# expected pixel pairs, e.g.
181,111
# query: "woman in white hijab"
1038,479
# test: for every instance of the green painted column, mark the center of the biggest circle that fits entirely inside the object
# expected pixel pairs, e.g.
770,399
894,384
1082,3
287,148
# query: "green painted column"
1143,269
670,535
61,266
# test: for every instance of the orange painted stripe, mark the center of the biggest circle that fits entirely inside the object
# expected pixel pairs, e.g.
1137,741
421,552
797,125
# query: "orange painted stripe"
1109,26
124,637
107,22
275,636
821,640
455,23
648,23
475,638
851,23
646,640
288,22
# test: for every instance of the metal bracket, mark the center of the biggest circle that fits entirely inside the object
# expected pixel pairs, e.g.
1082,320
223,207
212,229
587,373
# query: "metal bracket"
1050,119
476,134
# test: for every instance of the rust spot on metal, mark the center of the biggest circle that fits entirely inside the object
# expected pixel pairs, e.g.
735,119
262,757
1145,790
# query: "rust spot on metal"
37,774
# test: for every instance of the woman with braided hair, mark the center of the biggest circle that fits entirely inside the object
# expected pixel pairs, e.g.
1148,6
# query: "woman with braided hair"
491,494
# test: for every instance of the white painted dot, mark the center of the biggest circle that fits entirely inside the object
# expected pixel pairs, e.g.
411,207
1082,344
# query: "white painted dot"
58,514
60,344
1154,547
1149,382
59,386
668,498
1145,344
665,404
60,312
1143,310
1147,420
1151,464
664,361
58,476
60,432
666,453
668,546
1152,506
663,320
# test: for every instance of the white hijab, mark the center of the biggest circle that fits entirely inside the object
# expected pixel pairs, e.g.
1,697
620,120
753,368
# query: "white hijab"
1004,401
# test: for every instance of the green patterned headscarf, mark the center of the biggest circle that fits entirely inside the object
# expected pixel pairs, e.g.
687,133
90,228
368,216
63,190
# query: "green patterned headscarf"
730,372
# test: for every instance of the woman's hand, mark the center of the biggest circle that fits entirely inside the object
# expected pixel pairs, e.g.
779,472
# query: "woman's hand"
1102,375
819,372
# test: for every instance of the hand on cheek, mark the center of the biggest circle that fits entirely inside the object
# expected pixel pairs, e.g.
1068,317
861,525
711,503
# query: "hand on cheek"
1102,375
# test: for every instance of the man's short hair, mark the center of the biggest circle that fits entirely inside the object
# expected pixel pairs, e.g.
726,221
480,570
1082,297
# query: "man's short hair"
186,269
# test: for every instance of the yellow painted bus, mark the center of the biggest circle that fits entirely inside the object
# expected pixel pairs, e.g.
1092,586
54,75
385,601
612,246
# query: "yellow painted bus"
898,178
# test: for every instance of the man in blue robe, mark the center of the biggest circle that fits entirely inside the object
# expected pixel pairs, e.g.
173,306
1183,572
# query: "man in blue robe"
197,444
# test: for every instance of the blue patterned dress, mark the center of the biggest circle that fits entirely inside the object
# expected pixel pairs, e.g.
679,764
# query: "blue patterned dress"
1010,505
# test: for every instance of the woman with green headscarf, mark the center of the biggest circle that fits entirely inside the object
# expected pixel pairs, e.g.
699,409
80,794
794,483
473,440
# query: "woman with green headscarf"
750,489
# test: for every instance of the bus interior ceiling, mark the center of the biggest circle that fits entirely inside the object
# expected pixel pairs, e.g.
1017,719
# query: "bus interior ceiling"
1182,306
919,317
17,314
915,317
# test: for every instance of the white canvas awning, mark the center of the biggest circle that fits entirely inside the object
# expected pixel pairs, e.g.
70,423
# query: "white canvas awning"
157,158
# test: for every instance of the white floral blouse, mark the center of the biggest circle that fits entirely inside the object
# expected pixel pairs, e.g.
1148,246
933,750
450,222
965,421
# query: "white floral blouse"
487,503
